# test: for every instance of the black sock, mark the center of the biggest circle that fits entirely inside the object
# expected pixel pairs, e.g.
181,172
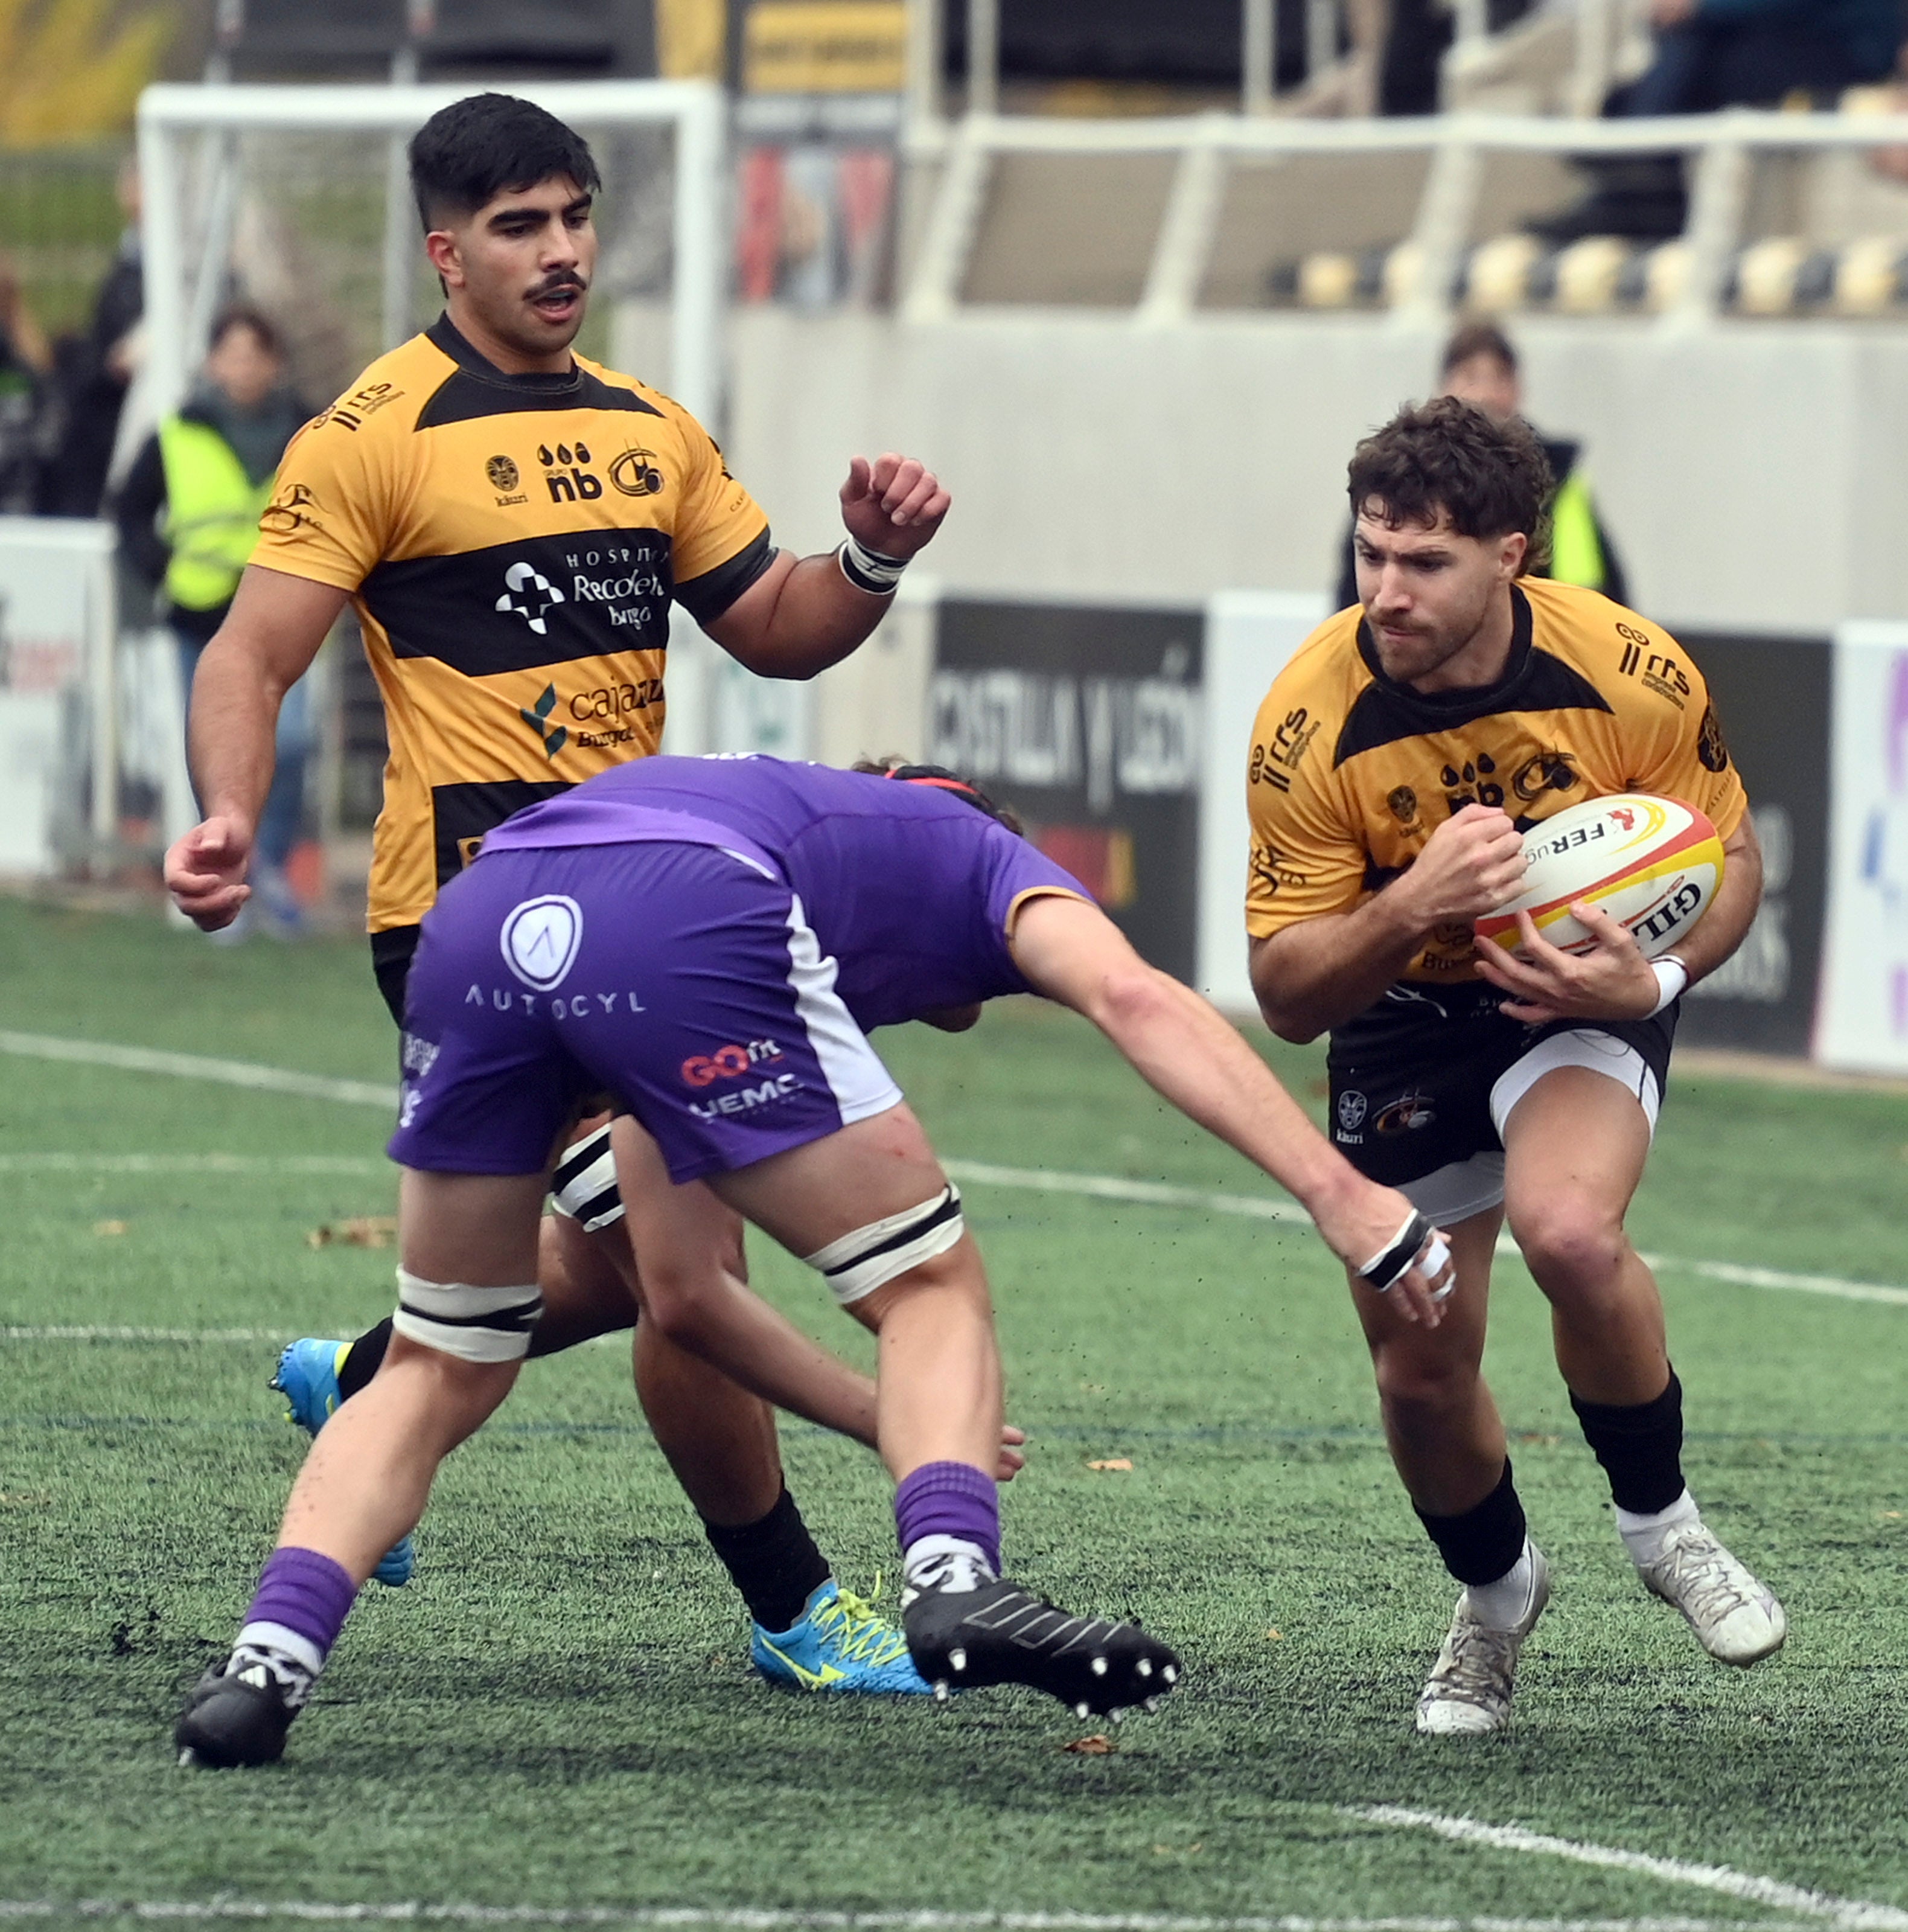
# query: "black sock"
361,1359
1640,1447
1485,1542
774,1563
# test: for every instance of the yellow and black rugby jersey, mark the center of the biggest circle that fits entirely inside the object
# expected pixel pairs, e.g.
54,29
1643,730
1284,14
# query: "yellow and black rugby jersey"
512,545
1351,772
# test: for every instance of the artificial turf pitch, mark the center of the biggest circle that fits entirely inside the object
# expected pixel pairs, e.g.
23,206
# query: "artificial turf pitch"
558,1715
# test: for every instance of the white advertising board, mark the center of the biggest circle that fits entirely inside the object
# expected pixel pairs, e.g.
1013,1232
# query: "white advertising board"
1251,636
56,628
1861,1022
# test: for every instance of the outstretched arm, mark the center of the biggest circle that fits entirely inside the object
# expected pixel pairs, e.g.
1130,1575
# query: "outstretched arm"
270,636
1189,1055
800,617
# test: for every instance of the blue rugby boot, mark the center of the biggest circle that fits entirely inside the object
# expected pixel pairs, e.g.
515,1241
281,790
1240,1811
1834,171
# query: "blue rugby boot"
307,1377
838,1644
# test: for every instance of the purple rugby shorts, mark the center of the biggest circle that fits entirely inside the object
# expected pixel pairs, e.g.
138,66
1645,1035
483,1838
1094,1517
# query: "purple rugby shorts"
682,978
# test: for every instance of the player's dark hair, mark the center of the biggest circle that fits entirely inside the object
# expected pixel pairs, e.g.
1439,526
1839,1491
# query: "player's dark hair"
1448,458
1475,339
486,144
942,779
242,315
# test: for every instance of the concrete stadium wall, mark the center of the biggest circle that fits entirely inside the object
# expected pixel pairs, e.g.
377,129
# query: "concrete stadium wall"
1753,474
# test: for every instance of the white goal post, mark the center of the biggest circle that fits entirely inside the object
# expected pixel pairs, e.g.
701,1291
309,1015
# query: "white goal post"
189,146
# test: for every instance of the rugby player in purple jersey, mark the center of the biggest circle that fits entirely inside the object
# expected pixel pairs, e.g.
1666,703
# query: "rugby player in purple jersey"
709,942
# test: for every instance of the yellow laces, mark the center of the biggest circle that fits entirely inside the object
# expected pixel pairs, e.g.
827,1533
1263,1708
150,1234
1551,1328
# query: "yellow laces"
857,1633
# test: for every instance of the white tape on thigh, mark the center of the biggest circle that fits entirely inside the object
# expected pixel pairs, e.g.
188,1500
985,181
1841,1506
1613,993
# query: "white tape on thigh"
859,1264
584,1186
476,1324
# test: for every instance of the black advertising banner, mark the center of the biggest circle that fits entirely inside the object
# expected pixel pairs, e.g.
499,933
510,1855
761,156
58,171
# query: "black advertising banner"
1771,695
1088,722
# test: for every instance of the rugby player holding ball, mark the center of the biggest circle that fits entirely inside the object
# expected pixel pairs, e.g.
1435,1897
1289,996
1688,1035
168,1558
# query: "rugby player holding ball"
1395,764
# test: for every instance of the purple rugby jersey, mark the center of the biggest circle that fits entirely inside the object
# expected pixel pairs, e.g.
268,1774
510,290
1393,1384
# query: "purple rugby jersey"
910,889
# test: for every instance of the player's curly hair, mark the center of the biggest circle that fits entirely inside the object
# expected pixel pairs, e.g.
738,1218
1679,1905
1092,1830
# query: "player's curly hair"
1447,458
895,767
486,144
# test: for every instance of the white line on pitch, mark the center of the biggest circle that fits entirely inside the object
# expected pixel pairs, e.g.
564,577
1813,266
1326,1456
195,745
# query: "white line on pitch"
1111,1187
747,1919
1101,1186
1769,1892
193,1163
196,1066
73,1332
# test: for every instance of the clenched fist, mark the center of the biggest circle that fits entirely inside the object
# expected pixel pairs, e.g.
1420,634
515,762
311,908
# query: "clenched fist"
1472,864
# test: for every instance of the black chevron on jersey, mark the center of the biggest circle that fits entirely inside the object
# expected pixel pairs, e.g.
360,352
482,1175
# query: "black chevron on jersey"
1386,711
476,389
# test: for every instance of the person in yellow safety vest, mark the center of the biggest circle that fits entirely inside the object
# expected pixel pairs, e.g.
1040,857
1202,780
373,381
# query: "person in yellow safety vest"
1481,367
188,517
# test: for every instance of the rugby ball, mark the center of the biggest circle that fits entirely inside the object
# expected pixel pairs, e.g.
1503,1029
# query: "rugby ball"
1652,864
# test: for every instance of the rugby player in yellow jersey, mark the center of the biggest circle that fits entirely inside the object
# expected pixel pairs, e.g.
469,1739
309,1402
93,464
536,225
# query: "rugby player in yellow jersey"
511,523
1393,767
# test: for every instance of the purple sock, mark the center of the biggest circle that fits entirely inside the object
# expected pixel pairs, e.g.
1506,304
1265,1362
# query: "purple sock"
950,1499
302,1601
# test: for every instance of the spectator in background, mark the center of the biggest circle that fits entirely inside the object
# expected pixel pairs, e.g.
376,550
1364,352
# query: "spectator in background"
1481,367
25,361
92,371
1714,54
188,516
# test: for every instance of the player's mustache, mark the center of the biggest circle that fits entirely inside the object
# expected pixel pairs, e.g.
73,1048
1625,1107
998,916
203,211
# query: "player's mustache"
558,282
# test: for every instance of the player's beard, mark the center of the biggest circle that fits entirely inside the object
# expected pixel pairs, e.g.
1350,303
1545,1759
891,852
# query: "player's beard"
1423,649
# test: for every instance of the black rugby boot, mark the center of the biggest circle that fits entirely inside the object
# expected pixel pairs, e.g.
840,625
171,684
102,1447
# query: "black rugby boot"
228,1721
1000,1633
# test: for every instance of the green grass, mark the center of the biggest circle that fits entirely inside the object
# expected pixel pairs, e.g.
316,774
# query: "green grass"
558,1715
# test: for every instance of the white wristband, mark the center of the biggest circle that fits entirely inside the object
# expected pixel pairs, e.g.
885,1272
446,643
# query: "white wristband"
868,570
1672,977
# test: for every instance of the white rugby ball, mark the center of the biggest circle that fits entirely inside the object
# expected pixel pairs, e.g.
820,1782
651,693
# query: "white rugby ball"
1653,864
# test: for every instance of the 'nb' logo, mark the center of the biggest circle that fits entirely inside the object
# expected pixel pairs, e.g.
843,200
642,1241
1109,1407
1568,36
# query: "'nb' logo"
540,940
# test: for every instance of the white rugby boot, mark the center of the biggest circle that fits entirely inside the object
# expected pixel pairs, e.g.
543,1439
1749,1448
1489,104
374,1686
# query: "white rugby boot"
1469,1690
1735,1615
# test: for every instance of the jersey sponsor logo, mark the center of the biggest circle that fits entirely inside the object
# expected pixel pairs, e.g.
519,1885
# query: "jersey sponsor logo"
1403,803
1655,671
536,716
635,473
530,594
540,938
351,413
1352,1106
607,701
418,1056
504,478
728,1063
746,1099
578,1005
294,508
1470,784
566,474
1274,764
624,583
1548,771
1405,1115
1271,868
